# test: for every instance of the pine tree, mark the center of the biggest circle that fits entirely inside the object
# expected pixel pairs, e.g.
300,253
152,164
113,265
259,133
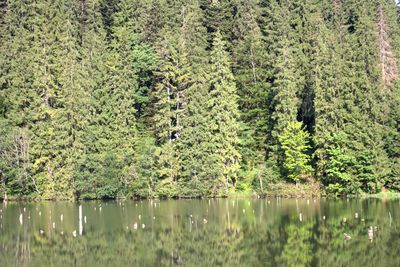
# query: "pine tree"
193,143
286,79
15,84
339,174
250,72
167,96
218,15
128,59
294,142
93,53
182,57
71,102
329,80
224,116
368,116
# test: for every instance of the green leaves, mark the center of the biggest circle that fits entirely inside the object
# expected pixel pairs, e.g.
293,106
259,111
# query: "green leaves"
339,177
294,142
224,115
147,98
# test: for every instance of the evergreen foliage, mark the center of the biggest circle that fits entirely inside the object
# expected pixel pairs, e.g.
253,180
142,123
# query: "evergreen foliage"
224,115
294,144
184,98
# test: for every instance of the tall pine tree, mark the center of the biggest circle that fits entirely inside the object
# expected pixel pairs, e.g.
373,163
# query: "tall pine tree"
224,115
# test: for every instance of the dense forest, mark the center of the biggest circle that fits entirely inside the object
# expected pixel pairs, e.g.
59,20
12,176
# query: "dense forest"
188,98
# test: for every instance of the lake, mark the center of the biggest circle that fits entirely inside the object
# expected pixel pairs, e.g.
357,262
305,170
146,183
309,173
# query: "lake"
215,232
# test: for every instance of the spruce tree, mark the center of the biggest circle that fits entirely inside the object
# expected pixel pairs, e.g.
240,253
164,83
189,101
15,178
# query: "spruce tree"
286,79
388,36
53,116
294,142
167,95
328,82
251,74
224,116
108,98
71,102
15,85
128,59
93,53
218,15
193,145
183,62
368,115
339,170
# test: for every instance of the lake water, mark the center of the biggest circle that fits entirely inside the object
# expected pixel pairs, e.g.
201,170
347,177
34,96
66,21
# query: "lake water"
220,232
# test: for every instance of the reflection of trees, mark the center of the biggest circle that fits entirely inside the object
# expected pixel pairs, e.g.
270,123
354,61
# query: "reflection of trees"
22,246
272,235
333,250
297,250
205,247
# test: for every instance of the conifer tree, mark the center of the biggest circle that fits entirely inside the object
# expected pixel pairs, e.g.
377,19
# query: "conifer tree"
218,16
183,57
69,120
250,72
328,81
128,59
367,116
224,116
36,92
150,16
294,143
93,42
108,98
388,36
286,79
167,96
193,146
14,84
339,174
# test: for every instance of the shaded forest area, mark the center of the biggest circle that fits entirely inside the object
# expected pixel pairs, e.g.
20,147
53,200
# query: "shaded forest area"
188,98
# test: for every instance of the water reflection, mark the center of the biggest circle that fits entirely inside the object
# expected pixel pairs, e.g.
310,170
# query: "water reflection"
224,232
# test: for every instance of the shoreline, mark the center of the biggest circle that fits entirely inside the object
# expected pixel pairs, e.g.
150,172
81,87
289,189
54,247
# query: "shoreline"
235,195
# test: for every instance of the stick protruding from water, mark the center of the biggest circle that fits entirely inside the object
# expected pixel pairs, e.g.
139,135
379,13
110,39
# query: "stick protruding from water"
80,220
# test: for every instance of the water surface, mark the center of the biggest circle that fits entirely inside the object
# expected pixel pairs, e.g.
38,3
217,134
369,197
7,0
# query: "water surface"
221,232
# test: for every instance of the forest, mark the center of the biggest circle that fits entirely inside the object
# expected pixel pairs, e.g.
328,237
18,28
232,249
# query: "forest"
198,98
